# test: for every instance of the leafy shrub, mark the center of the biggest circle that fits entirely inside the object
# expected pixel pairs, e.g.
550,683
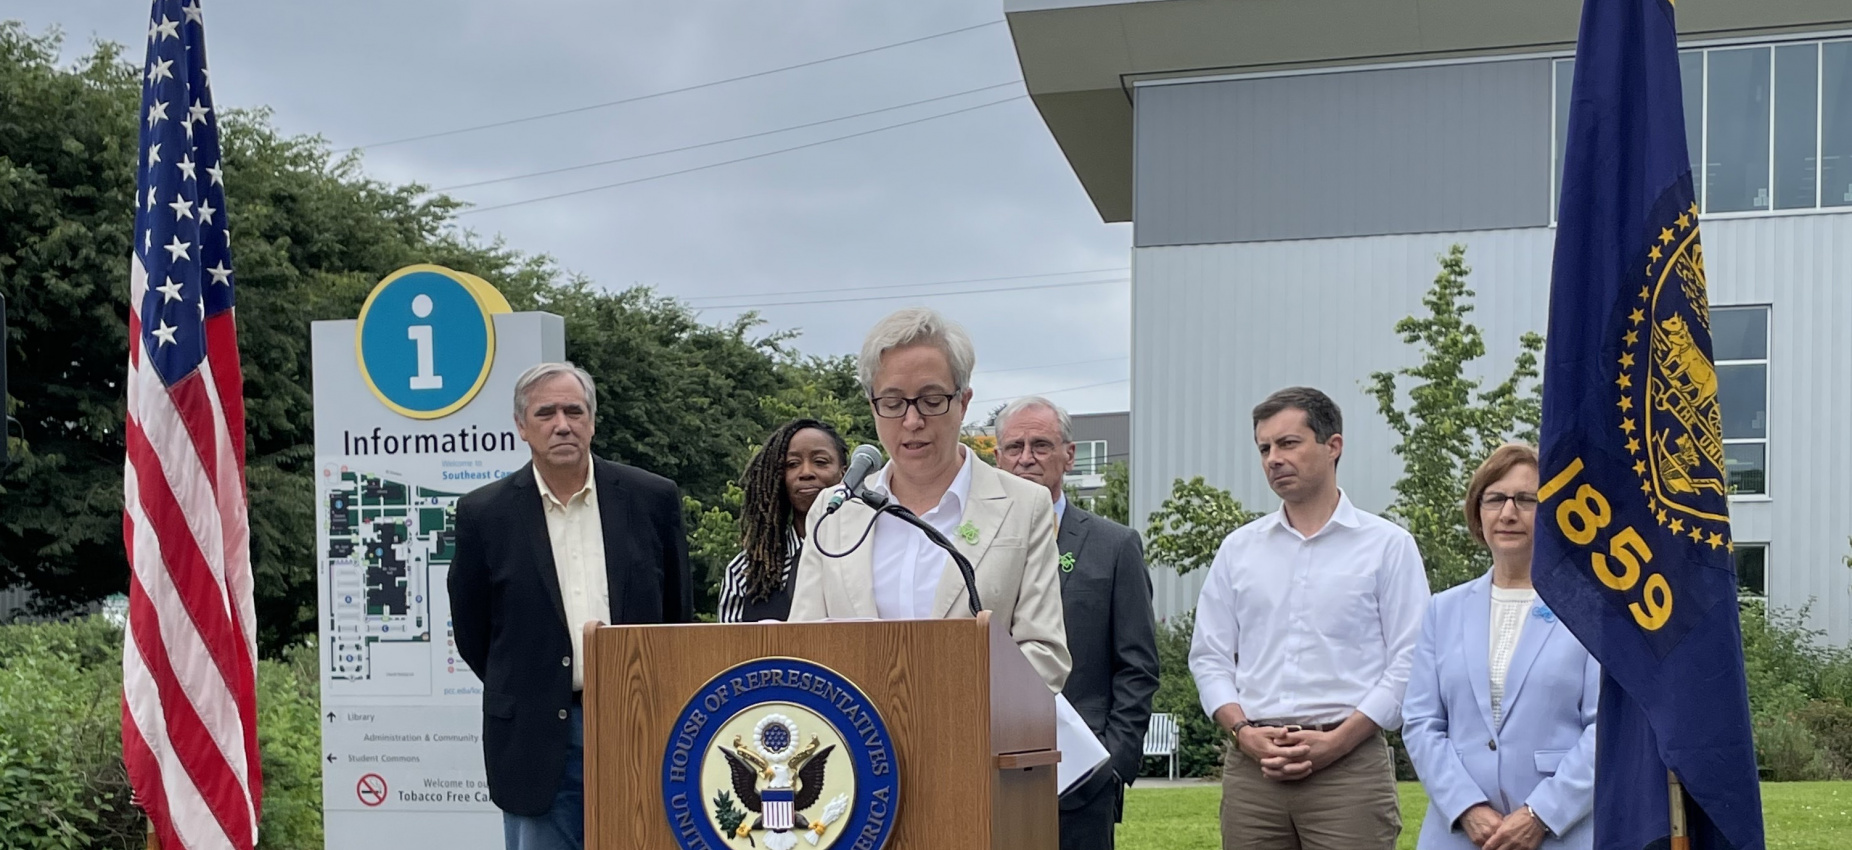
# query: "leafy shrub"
1199,742
62,783
1798,689
1830,721
1786,751
289,742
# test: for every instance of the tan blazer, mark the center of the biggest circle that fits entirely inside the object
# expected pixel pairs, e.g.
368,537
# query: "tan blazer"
1017,567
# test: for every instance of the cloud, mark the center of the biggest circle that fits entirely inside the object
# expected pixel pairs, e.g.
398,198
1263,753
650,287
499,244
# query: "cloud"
980,194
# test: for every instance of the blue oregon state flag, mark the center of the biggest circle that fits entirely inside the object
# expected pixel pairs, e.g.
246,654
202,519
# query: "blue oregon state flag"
1633,546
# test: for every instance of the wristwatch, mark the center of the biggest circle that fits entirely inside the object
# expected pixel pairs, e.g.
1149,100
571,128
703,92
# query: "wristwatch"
1235,730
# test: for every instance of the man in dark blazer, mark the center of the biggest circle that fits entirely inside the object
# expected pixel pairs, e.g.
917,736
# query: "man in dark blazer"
565,540
1111,634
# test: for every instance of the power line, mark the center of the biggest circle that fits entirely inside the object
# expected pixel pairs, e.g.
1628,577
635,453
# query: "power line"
898,285
989,401
666,92
634,157
916,295
1051,365
590,189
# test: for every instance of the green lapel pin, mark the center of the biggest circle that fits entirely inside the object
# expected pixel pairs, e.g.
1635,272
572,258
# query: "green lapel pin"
1067,562
968,532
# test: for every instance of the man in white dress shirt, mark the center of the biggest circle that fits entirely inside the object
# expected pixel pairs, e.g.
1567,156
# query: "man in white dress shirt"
1305,632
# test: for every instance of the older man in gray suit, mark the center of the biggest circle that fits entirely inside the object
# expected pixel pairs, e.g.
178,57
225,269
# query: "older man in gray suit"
1106,594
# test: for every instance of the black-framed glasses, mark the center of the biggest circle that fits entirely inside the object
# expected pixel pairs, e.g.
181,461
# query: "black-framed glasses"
895,407
1527,502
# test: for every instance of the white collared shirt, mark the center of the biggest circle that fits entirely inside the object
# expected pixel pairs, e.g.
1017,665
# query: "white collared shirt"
1060,509
907,566
577,537
1306,629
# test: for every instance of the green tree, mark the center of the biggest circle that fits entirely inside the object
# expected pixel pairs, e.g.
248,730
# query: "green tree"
311,236
1187,529
67,170
1450,423
825,389
1114,501
713,540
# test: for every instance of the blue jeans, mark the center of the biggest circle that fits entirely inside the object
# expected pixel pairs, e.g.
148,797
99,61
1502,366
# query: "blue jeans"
563,826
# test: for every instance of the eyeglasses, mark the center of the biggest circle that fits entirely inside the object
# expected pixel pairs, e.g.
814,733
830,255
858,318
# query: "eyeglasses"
895,407
1495,502
1039,448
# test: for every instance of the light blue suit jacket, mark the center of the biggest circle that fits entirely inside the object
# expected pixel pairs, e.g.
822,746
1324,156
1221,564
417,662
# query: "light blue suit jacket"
1542,753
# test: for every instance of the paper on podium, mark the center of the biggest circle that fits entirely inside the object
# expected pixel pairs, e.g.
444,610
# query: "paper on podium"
1081,751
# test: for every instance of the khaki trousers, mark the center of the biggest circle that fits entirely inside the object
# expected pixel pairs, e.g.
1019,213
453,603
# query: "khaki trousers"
1350,805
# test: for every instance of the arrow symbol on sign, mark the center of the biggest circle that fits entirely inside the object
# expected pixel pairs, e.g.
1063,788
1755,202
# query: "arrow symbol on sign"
331,758
330,717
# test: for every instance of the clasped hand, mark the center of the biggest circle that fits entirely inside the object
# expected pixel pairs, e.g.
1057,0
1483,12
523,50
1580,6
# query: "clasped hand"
1286,755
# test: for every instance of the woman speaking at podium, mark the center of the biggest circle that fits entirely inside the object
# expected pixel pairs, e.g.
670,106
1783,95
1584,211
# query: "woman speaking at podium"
916,368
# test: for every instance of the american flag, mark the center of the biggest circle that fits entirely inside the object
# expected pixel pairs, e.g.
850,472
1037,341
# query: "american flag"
189,697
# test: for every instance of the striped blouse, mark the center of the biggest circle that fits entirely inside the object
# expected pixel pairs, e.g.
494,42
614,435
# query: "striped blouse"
736,607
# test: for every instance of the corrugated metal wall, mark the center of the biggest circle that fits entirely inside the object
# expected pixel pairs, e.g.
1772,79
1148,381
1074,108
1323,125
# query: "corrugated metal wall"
1218,327
1802,266
1409,150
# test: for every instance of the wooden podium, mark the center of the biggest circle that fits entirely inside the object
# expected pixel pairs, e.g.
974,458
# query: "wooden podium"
972,725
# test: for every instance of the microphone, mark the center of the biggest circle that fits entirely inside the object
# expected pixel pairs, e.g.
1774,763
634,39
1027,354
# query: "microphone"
862,462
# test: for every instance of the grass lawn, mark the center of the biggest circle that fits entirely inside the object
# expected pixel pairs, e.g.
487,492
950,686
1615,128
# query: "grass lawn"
1800,816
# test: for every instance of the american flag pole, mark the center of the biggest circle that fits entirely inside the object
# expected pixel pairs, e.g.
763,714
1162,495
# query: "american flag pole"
189,699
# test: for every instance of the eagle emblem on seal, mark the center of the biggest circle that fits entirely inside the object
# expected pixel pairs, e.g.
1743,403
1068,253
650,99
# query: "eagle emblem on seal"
778,780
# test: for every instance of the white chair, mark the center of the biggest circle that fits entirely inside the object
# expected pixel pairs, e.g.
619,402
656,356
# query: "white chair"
1161,739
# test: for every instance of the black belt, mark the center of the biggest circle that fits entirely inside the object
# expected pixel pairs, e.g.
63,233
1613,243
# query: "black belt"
1310,727
578,698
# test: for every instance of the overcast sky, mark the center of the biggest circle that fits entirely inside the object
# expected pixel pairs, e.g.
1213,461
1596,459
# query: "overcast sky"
980,194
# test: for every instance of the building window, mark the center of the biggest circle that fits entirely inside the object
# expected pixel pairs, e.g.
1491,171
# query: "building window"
1565,75
1767,127
1736,130
1752,569
1739,339
1836,123
1089,457
1691,80
1797,126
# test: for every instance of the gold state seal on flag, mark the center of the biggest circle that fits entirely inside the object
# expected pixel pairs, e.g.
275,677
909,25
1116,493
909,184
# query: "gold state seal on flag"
1668,390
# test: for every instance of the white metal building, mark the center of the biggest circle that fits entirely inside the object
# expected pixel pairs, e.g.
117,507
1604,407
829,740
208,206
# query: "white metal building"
1293,170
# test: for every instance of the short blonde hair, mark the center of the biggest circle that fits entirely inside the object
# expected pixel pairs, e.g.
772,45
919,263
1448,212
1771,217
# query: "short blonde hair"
1504,459
916,326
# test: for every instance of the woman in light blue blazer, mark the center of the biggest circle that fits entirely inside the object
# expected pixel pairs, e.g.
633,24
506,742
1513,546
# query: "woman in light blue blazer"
1499,716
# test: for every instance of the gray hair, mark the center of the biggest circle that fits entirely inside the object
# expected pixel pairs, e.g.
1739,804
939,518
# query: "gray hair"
917,326
1030,402
542,372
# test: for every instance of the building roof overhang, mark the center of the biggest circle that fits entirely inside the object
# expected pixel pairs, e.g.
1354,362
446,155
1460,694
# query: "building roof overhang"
1081,58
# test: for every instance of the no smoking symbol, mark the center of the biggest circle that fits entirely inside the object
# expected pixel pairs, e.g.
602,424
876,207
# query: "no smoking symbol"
372,789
